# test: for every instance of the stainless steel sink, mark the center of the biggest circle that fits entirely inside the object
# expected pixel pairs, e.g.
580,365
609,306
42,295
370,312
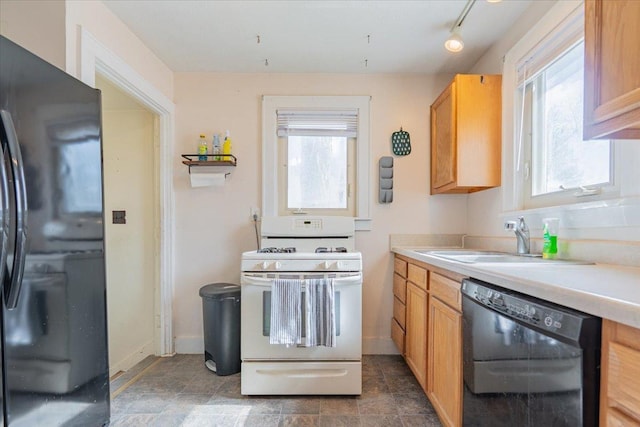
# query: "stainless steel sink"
481,257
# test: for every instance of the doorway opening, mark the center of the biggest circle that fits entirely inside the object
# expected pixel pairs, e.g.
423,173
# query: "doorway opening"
131,216
97,59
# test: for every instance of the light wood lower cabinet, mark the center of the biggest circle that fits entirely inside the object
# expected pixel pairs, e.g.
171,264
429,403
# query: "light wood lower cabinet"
620,375
444,385
416,330
433,333
397,335
399,303
431,336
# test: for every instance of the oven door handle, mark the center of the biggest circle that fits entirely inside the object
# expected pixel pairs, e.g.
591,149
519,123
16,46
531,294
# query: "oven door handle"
267,281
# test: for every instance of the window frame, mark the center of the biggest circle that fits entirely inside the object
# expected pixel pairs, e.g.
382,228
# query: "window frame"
617,218
532,111
271,171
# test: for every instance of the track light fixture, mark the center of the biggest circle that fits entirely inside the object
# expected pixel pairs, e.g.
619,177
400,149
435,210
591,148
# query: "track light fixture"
455,43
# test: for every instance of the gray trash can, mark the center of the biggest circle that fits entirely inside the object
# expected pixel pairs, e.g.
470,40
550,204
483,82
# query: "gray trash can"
221,324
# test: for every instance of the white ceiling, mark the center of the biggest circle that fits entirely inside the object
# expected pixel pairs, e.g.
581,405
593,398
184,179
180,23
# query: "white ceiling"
315,36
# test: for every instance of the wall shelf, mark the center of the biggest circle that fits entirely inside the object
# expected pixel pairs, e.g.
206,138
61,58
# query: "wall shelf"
192,160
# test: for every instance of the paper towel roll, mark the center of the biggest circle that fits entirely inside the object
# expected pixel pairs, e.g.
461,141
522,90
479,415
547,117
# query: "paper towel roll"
206,179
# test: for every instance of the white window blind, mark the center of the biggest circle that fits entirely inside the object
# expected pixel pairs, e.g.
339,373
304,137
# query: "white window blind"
317,123
559,41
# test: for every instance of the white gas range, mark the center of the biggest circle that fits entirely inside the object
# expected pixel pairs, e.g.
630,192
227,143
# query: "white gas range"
302,248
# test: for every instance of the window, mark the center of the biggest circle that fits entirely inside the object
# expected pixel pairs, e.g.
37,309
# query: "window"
317,159
613,213
558,166
316,156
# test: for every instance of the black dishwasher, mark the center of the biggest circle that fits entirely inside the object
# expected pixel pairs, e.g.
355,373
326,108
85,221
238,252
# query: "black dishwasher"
527,362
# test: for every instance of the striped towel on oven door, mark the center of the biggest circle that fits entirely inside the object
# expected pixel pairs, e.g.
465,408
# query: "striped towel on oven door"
320,327
286,312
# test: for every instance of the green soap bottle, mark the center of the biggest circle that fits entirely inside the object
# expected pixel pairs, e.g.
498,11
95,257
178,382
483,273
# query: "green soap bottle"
550,238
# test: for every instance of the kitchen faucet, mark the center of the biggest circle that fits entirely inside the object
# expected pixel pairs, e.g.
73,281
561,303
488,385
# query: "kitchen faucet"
522,234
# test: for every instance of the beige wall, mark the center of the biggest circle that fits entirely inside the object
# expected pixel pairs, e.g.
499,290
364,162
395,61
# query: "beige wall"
36,25
130,250
602,224
213,224
95,17
51,29
485,206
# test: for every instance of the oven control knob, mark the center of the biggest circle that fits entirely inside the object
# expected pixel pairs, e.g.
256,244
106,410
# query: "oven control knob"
325,265
264,265
277,265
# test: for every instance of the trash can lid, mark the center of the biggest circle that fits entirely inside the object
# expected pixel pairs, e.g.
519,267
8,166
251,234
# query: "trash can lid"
219,290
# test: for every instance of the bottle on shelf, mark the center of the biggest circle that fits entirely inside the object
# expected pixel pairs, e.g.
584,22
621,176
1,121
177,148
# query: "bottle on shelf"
226,146
203,149
216,148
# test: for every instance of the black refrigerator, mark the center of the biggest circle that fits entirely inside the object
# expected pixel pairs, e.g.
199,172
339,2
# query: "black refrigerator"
53,319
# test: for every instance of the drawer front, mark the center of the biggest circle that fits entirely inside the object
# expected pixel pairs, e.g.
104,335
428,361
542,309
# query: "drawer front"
446,290
400,267
400,288
417,275
399,312
397,335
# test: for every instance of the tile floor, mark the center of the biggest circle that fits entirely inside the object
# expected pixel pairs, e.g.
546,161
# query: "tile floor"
180,391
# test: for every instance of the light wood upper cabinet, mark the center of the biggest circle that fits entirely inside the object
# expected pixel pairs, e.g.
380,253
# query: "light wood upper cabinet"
466,135
612,69
620,370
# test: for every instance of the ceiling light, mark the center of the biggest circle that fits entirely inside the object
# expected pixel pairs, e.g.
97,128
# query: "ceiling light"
494,1
454,43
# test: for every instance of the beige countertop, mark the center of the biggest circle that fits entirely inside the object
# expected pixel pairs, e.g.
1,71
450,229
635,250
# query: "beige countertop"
604,290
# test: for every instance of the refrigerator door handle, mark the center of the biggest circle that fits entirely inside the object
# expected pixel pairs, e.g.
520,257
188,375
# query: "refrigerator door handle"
17,171
4,216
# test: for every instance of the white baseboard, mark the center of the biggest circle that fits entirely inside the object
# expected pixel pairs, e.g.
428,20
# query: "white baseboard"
370,345
378,345
132,359
189,345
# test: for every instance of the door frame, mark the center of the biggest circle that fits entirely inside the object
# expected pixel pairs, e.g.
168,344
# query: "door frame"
96,58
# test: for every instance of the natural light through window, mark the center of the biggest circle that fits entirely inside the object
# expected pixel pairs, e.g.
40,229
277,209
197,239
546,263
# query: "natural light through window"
591,186
561,159
317,172
559,167
316,157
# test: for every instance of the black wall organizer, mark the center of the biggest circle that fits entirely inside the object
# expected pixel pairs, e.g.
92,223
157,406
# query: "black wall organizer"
385,168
